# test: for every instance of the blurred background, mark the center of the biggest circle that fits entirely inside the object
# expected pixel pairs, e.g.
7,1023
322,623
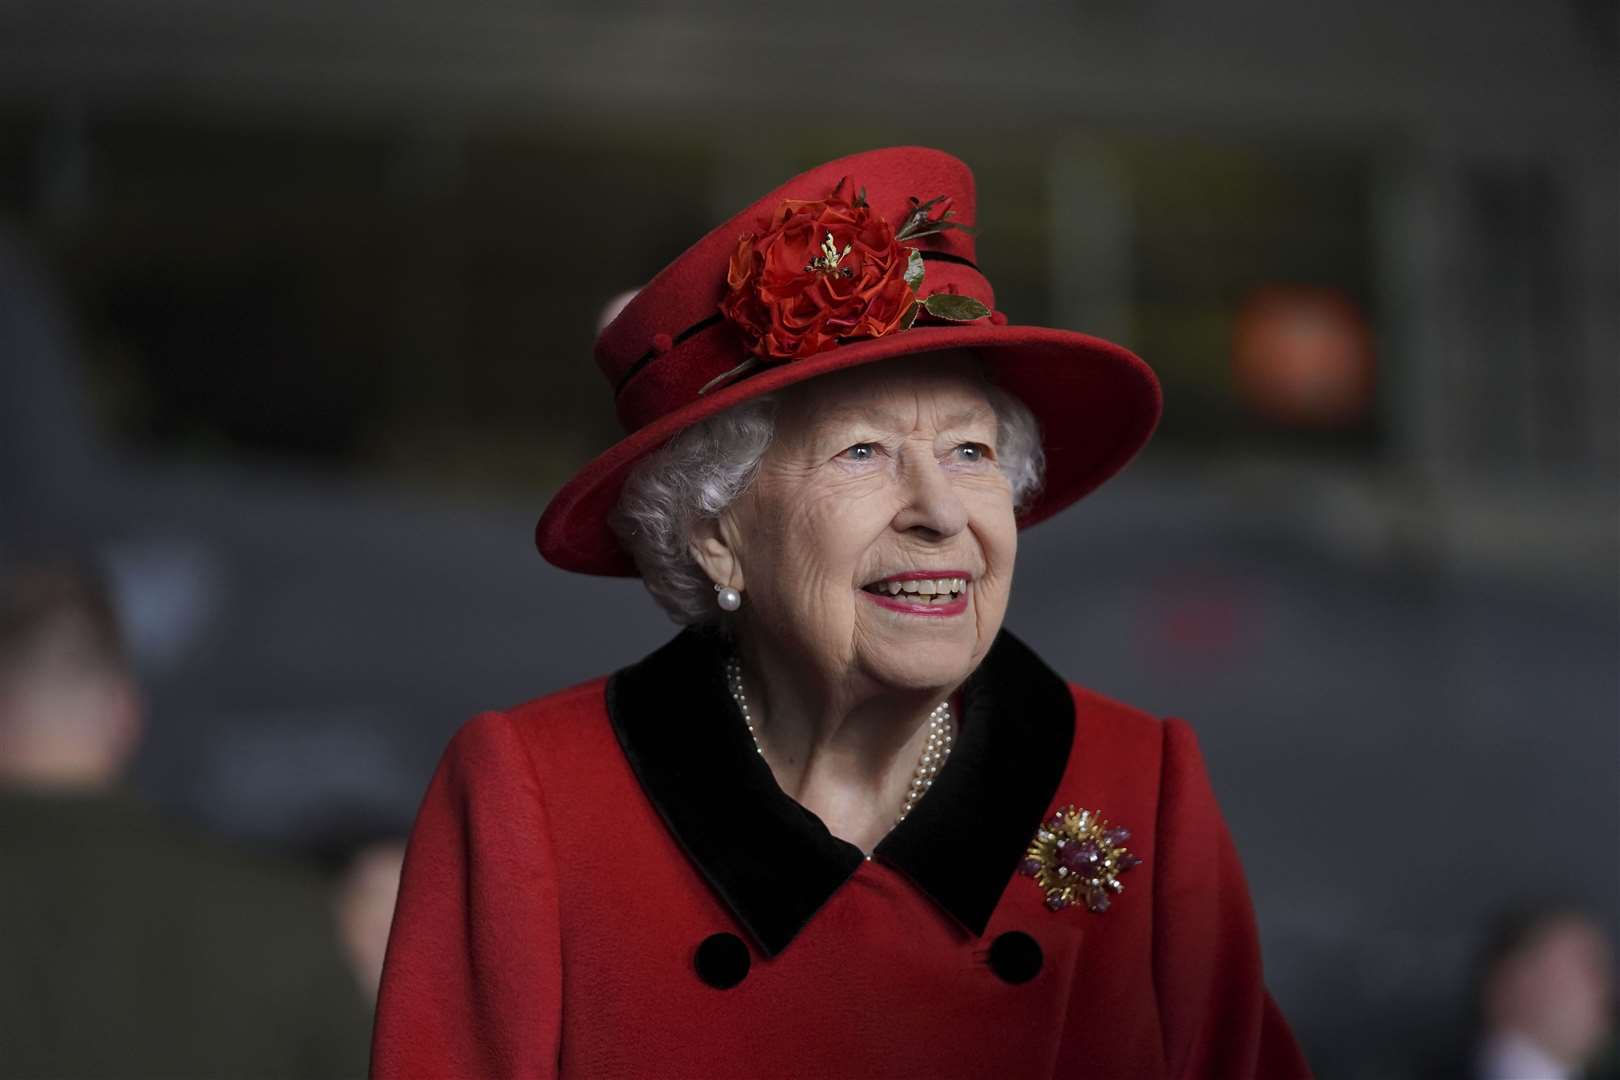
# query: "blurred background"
296,312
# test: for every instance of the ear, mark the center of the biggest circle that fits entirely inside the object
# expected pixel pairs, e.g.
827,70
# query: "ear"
714,548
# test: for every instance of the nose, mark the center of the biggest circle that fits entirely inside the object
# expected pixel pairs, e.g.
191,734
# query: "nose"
932,505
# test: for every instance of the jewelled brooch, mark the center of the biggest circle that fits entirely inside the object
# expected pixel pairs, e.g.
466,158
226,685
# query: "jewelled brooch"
1078,856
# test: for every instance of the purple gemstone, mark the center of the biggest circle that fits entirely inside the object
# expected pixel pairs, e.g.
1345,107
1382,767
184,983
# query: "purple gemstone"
1116,836
1082,858
1055,901
1097,900
1029,867
1127,860
1056,822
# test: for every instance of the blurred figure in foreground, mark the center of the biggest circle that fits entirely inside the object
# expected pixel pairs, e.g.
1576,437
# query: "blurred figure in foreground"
131,948
1546,998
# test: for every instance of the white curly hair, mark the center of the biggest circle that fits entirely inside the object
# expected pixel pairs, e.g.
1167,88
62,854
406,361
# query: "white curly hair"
708,466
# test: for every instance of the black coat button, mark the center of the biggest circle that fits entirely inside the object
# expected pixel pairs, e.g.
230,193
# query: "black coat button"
1015,956
722,961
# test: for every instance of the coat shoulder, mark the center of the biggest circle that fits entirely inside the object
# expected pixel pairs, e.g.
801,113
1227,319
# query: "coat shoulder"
1105,724
557,723
1117,760
1110,709
582,700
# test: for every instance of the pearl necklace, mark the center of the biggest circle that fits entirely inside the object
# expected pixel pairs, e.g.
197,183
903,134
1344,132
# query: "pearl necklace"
935,750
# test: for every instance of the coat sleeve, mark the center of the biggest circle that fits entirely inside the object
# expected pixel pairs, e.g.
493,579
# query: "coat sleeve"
472,981
1217,1017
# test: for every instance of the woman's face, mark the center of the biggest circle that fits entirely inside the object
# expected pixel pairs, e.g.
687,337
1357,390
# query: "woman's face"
881,480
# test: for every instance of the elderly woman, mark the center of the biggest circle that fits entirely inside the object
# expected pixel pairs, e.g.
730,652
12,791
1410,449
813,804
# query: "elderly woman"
843,824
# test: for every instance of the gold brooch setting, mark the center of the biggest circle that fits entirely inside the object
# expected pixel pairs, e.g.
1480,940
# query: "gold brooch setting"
1077,857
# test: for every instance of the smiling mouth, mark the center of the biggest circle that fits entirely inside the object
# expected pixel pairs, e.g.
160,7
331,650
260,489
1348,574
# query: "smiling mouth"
912,588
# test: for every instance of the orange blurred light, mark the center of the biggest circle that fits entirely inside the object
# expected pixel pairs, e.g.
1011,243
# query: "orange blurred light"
1303,356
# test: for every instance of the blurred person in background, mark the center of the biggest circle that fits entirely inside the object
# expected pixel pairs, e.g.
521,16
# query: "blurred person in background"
1545,998
364,863
843,824
130,947
365,908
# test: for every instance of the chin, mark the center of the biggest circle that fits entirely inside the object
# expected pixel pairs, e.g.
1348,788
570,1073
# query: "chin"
921,667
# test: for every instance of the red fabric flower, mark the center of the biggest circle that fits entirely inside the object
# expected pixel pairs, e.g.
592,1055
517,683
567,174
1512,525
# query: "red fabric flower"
793,294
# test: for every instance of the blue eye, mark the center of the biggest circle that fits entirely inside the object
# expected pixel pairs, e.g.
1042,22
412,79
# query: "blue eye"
861,451
972,452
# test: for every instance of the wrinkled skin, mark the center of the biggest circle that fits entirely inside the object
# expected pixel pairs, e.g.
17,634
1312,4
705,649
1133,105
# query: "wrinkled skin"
873,471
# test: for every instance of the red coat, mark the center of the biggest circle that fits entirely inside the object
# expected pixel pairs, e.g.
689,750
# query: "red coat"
608,882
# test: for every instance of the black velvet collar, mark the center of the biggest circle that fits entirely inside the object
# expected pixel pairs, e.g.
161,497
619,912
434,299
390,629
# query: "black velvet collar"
772,861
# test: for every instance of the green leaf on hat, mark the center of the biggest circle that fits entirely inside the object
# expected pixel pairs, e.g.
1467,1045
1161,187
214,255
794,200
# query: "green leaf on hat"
955,308
910,316
914,270
917,222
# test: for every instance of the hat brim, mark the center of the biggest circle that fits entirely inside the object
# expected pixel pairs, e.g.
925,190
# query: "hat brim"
1097,404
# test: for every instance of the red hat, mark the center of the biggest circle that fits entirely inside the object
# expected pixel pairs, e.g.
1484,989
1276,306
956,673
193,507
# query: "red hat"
862,259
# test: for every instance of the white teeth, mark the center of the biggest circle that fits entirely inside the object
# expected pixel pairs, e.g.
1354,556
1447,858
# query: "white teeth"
922,586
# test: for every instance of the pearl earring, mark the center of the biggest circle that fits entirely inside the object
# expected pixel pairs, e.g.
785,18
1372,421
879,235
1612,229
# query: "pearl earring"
728,598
